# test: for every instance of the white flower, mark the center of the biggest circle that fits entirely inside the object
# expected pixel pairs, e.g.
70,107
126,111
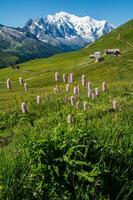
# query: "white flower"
96,92
104,87
56,89
21,81
24,107
75,90
71,77
56,76
38,99
26,87
8,83
85,106
69,119
83,80
89,92
72,98
77,105
64,77
114,104
67,87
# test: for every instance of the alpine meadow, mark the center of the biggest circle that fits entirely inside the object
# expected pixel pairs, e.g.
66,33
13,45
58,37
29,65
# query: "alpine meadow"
66,121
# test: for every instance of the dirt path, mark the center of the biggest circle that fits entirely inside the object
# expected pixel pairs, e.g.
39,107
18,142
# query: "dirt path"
42,73
28,79
128,43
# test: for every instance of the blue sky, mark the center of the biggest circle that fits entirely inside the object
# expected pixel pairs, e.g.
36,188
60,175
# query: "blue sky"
17,12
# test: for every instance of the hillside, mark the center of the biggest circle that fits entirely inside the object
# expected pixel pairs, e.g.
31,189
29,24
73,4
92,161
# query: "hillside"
90,156
19,46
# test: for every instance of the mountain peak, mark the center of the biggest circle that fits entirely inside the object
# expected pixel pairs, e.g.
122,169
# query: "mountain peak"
66,15
62,13
68,30
59,15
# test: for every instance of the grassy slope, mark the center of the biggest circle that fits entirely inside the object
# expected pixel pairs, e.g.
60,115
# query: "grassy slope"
91,159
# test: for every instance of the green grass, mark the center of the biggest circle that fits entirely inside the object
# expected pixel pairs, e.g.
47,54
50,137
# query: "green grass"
42,157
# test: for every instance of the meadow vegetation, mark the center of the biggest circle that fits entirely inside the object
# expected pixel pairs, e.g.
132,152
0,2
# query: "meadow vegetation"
44,157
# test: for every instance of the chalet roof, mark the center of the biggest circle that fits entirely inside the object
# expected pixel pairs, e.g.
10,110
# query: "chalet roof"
112,50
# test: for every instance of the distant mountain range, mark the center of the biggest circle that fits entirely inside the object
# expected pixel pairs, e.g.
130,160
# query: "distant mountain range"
47,36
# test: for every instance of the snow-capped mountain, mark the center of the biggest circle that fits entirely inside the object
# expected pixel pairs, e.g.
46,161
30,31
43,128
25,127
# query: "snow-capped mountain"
68,31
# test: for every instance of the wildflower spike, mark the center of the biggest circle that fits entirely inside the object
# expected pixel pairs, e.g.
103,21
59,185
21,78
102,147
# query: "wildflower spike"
89,92
38,99
21,81
85,106
26,87
24,107
72,98
64,78
114,104
83,80
69,119
77,105
75,90
71,77
56,76
67,87
104,87
96,92
9,84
